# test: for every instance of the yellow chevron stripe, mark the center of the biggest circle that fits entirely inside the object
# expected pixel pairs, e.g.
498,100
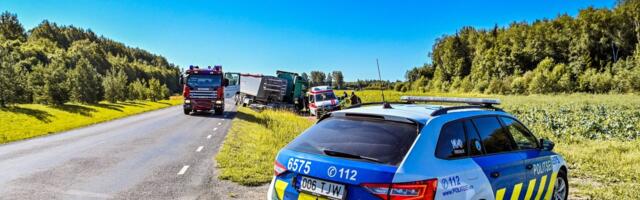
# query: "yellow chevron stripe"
552,183
305,196
516,191
500,194
280,186
530,188
543,181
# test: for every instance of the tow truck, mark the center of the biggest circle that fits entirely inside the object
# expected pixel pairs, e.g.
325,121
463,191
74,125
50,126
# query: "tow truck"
203,89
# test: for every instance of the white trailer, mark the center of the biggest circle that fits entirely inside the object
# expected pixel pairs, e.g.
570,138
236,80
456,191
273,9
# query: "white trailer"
261,89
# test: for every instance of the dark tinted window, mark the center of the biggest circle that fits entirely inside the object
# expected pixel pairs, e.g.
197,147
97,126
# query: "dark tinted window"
452,142
494,138
520,135
473,139
384,141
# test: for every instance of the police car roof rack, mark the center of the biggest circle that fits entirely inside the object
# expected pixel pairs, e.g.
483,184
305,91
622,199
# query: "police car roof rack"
477,103
378,103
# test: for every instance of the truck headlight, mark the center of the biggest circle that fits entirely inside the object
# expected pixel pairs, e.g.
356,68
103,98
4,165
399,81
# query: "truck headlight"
187,101
218,102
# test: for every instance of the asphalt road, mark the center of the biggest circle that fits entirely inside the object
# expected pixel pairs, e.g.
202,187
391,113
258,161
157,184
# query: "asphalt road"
162,154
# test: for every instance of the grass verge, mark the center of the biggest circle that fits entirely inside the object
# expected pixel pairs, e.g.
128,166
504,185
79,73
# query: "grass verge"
31,120
250,147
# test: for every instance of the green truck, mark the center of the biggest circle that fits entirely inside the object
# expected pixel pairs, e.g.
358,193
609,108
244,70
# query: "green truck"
297,86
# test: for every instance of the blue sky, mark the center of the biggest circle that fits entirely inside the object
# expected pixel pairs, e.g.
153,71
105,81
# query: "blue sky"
300,36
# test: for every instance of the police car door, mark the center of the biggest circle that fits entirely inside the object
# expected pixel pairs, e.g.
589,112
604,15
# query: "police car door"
538,163
502,163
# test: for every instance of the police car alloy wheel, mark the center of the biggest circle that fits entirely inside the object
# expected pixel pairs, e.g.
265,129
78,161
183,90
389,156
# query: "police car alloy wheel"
560,190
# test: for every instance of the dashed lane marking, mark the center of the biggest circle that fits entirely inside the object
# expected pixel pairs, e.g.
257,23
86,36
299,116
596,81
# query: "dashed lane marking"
208,136
183,170
214,129
199,148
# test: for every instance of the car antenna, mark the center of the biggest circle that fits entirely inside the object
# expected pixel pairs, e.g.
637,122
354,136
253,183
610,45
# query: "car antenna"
384,102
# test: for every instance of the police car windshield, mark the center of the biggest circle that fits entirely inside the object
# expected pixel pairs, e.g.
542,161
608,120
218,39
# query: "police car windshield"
325,96
202,81
360,138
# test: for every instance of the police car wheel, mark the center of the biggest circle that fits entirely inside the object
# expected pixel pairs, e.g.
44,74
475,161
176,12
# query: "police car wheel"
561,189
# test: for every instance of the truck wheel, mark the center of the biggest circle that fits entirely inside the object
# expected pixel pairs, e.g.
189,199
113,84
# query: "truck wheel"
218,111
187,111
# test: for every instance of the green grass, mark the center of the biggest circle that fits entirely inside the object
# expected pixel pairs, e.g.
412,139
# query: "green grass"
31,120
596,134
248,152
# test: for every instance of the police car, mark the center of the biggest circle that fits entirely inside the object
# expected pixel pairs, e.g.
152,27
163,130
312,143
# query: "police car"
417,151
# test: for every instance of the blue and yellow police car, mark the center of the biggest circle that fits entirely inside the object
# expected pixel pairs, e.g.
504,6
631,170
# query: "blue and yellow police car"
412,150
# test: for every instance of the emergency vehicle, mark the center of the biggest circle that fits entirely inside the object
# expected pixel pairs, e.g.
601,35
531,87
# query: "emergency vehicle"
420,151
322,100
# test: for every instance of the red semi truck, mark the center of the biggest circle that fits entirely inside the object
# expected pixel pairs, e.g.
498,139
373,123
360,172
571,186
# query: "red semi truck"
203,89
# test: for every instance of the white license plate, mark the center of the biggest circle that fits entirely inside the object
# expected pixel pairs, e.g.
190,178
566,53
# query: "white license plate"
324,188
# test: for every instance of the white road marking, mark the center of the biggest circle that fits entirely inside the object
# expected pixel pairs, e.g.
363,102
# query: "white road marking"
208,136
87,194
214,129
219,123
199,148
183,170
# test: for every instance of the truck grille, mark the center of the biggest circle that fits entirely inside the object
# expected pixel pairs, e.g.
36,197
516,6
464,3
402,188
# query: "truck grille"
203,95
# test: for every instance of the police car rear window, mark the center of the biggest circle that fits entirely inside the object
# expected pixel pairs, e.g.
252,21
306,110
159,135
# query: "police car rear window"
370,139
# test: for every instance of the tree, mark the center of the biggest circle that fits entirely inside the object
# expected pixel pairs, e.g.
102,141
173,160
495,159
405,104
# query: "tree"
10,27
328,80
49,84
317,78
138,90
115,86
85,83
305,76
8,75
338,78
157,91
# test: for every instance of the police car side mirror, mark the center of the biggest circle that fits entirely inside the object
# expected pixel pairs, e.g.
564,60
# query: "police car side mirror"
547,145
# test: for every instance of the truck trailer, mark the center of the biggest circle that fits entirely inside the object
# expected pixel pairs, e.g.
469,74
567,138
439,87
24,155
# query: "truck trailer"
261,89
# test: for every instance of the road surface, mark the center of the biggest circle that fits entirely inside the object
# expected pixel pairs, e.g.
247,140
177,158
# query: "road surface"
162,154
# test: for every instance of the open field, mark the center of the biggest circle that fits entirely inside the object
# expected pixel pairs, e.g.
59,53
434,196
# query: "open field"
30,120
597,135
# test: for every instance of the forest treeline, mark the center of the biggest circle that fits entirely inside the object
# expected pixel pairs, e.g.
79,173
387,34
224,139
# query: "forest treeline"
53,64
596,52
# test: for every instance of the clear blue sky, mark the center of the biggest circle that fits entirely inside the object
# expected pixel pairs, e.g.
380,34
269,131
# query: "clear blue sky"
300,36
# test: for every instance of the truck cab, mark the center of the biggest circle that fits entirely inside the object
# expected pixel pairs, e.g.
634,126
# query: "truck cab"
203,89
322,100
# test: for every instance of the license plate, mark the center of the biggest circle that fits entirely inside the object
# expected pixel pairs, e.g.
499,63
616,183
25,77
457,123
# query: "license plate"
324,188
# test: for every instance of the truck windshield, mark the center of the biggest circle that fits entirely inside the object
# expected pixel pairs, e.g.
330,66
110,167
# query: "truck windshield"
325,96
200,80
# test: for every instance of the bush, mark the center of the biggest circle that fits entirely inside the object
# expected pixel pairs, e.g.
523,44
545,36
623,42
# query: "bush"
115,86
138,90
157,90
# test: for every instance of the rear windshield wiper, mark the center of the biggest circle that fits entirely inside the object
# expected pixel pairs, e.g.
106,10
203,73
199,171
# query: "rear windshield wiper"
348,155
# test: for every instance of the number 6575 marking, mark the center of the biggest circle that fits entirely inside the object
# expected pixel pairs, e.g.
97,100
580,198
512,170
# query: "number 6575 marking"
299,165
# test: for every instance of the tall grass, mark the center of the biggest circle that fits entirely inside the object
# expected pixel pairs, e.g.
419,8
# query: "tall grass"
251,145
31,120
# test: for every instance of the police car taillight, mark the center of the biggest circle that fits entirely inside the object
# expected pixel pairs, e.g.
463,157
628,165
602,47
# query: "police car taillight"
418,190
278,168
